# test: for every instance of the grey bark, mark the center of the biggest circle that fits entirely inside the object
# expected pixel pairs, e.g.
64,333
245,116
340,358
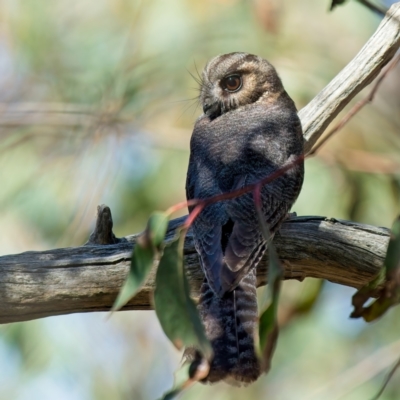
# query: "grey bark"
358,73
88,278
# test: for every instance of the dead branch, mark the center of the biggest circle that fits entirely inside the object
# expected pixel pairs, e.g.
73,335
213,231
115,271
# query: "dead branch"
88,278
362,70
357,107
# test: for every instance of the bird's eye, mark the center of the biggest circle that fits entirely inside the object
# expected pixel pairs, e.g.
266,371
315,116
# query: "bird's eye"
232,83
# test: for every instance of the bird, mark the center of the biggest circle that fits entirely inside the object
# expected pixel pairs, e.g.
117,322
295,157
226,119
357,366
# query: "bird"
248,130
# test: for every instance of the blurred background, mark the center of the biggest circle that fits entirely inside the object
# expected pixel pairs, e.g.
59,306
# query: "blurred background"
97,104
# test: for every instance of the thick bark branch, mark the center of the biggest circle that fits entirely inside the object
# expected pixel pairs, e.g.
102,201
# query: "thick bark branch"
361,71
88,278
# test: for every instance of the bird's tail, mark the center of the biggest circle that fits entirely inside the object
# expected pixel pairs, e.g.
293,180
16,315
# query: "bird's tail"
231,324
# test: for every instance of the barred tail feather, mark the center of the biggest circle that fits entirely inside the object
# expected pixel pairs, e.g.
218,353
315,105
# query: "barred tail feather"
231,325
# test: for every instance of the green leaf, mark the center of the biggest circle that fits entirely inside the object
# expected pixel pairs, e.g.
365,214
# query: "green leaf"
146,250
157,227
390,294
188,374
392,259
141,263
268,323
175,309
377,309
365,293
180,382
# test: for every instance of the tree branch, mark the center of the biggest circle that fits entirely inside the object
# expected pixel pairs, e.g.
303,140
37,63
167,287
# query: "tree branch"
361,71
88,278
357,107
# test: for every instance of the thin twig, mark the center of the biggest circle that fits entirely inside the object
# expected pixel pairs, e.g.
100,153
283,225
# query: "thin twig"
363,161
388,378
360,72
363,372
373,7
202,203
199,204
357,107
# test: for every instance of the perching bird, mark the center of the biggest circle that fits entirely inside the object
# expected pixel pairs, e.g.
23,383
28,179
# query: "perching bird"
249,129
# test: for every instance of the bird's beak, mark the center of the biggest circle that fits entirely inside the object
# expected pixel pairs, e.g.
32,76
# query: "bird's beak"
206,107
212,110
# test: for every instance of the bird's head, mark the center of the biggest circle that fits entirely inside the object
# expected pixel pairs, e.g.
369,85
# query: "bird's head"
233,80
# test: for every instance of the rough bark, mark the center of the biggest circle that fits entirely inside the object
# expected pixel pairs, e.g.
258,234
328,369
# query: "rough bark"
88,278
358,73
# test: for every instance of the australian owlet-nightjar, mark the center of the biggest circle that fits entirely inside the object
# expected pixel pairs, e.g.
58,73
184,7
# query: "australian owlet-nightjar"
249,129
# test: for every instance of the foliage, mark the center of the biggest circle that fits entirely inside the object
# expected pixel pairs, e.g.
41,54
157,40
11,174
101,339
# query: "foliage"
93,98
175,309
148,247
387,283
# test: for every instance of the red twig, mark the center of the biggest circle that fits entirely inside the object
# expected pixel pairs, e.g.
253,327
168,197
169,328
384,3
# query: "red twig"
202,203
193,215
257,196
177,207
258,185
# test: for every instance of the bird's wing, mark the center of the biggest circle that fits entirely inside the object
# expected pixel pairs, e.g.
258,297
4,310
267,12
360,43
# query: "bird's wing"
206,227
208,245
246,245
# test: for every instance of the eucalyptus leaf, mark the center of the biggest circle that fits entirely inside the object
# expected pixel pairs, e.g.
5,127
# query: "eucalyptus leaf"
157,227
147,249
187,375
389,278
175,309
141,263
268,322
181,380
392,259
